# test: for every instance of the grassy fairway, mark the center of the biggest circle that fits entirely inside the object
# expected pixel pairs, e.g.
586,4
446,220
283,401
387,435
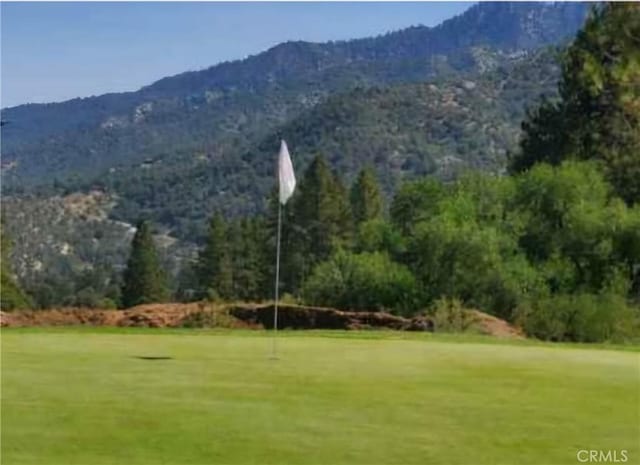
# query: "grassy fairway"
81,397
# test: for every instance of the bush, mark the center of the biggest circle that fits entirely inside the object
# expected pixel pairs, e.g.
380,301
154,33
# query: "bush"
478,264
108,304
211,295
287,298
366,281
449,315
580,317
208,317
203,319
12,296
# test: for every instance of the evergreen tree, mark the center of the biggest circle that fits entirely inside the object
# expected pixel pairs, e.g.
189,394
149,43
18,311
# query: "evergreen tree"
320,221
366,199
598,115
321,208
144,281
214,267
246,236
188,286
12,295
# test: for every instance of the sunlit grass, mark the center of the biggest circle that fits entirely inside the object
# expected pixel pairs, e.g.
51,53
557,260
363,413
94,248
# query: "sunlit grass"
82,396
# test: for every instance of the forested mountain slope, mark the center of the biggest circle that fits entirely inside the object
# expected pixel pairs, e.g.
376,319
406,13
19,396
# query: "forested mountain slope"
217,109
441,128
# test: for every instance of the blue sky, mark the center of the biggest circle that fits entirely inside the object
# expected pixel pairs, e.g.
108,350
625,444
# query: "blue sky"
57,51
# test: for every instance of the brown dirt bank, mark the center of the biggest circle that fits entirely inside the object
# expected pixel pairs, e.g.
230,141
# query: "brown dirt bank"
241,316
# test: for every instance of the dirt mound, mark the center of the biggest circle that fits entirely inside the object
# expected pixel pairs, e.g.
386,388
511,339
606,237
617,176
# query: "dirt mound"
200,314
59,317
150,316
302,317
488,324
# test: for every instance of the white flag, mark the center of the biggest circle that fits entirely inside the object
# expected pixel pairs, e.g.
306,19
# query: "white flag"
285,173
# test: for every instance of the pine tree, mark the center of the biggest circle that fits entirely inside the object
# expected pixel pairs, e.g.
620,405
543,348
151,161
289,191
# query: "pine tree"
366,200
321,208
246,237
144,279
320,221
12,295
214,268
598,115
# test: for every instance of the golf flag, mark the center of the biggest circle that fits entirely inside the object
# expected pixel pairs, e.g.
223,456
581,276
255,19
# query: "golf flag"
285,173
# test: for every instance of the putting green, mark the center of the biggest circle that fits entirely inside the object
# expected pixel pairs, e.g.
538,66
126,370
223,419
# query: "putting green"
91,397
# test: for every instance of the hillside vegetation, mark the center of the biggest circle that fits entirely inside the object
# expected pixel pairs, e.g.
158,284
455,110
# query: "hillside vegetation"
204,121
404,203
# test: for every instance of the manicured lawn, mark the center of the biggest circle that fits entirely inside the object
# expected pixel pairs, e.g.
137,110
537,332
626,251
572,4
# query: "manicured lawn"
83,397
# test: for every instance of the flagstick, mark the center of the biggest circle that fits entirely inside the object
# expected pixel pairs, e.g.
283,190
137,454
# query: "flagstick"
275,312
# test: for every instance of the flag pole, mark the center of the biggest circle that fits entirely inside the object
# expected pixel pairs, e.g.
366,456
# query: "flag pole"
277,285
286,186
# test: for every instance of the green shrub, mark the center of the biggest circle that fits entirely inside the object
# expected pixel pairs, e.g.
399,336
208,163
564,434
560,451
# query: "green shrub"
208,317
203,319
211,295
450,316
12,296
290,299
580,317
108,303
366,281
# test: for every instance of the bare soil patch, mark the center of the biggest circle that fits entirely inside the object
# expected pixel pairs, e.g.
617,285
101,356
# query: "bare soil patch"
151,316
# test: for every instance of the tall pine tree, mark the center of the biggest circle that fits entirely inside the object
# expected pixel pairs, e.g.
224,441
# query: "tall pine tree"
144,280
598,114
214,266
246,238
320,220
366,199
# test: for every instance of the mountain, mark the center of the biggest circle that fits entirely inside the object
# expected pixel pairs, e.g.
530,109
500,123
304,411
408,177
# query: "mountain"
435,128
419,101
406,130
218,109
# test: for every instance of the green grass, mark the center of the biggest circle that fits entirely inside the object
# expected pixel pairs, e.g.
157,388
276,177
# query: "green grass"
81,397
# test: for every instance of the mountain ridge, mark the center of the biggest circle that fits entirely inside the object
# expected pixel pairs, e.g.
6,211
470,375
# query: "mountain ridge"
415,53
574,13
